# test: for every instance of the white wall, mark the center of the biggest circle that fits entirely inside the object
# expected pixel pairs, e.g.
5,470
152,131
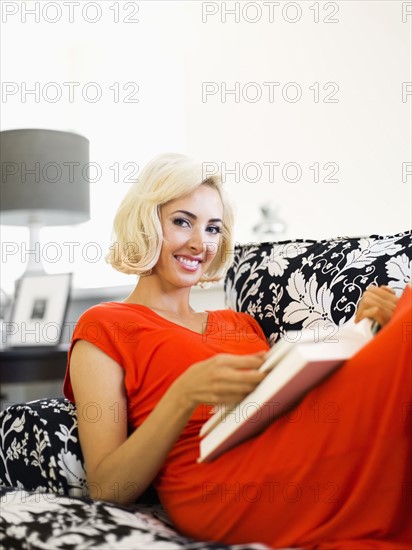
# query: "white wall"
169,53
367,133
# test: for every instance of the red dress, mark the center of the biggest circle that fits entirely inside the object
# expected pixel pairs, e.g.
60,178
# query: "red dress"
332,474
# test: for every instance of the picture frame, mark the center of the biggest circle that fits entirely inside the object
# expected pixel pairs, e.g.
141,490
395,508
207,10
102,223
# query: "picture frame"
39,310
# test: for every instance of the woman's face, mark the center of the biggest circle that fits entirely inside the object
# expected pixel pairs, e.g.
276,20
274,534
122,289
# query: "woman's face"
192,227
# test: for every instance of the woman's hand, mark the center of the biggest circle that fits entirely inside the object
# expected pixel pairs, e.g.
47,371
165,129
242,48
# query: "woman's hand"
223,378
377,303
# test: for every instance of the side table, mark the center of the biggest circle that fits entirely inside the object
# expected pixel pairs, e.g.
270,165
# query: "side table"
30,373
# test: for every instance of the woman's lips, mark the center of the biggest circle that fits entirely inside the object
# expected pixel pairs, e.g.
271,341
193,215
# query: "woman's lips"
187,263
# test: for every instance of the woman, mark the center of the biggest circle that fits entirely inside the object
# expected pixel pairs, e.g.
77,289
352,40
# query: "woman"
151,362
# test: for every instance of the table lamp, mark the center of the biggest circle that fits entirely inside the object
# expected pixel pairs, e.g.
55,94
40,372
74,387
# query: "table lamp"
44,181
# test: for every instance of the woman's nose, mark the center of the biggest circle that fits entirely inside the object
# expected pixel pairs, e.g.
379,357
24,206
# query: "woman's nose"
196,242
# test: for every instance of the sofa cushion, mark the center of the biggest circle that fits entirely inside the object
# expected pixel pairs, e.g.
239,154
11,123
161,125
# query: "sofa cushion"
52,522
40,448
297,284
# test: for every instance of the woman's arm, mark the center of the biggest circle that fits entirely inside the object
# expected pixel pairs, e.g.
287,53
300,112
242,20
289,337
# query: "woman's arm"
119,468
377,303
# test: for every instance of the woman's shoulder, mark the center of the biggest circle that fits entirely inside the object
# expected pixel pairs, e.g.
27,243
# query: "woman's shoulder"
109,316
102,311
105,325
105,310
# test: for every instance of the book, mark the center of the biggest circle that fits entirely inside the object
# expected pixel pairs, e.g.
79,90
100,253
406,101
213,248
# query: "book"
294,365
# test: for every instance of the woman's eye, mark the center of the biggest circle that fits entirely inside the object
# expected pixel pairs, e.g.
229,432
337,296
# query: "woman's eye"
214,229
182,222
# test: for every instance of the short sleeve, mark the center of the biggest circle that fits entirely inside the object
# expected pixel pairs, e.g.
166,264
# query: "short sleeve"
95,326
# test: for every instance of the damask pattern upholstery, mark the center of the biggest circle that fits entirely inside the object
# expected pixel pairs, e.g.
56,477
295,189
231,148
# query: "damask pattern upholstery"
293,285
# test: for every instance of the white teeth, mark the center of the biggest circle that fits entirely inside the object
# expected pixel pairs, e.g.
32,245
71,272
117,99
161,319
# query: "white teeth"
191,263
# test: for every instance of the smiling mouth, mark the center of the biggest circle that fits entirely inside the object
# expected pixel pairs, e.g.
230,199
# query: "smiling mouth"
192,265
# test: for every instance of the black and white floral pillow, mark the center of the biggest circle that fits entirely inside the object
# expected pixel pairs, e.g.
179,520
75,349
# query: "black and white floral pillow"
40,449
292,285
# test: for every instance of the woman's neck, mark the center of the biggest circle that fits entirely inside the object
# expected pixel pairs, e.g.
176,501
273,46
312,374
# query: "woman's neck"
150,293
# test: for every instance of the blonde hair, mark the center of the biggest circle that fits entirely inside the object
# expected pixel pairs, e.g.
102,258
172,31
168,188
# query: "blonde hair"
137,229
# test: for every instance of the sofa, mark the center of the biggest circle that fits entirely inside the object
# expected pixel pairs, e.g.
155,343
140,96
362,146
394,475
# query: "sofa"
288,285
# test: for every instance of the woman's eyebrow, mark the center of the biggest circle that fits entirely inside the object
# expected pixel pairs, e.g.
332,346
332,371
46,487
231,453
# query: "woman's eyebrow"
194,217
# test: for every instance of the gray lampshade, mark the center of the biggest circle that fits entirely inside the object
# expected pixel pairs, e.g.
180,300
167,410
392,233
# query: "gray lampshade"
44,177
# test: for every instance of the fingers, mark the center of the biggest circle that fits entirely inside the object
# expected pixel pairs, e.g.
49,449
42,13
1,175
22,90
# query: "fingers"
240,376
381,297
388,289
252,361
239,387
232,377
222,378
230,391
379,290
377,303
375,314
